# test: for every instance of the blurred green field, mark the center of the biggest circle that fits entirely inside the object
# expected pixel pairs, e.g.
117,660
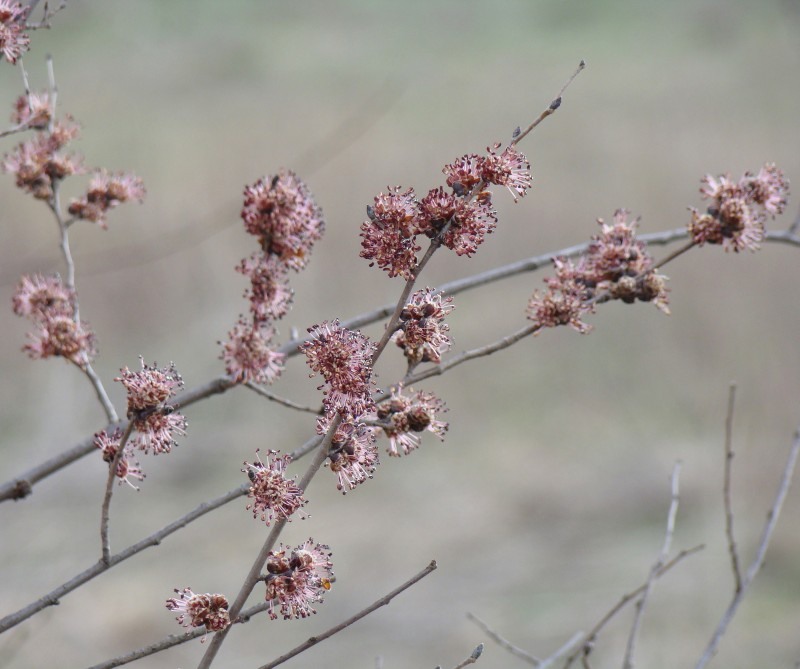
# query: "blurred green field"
548,499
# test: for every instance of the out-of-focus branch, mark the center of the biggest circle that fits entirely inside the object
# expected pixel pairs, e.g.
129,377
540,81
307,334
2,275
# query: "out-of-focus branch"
726,490
641,604
758,561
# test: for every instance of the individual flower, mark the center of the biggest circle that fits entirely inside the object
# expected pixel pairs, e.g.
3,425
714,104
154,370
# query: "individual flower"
422,334
297,579
353,455
269,292
105,192
738,210
510,169
403,417
13,41
273,494
154,420
59,335
127,467
464,173
344,358
388,237
209,611
282,213
41,297
564,302
248,356
462,223
33,110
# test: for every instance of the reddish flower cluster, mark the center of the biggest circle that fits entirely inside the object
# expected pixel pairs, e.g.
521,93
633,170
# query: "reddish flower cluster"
106,191
401,417
40,163
459,219
616,266
127,468
50,305
13,41
297,579
273,495
738,210
353,455
154,420
209,611
344,358
422,334
282,214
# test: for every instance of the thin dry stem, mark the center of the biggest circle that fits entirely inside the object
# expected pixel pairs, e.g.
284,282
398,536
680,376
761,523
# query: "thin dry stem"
589,639
726,490
280,400
758,561
472,659
641,603
112,476
383,601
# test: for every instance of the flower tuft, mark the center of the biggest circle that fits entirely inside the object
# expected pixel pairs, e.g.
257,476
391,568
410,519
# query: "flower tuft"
13,41
248,356
105,192
297,579
127,468
353,455
209,611
422,334
402,417
274,495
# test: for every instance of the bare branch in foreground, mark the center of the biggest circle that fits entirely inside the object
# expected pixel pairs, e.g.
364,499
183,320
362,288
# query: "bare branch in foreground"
383,601
53,598
726,490
662,557
590,638
755,565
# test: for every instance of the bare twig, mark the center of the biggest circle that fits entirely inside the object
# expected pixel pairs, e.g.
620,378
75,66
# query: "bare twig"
472,659
641,603
590,638
112,476
53,598
555,104
280,400
504,643
726,490
758,561
383,601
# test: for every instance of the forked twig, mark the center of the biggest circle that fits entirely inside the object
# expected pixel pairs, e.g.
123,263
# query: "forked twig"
627,662
758,561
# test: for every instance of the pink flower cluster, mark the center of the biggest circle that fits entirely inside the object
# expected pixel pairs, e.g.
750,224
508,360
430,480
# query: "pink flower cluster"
40,163
13,41
460,218
353,455
127,467
209,611
297,579
281,213
403,417
153,419
738,210
423,332
273,494
50,305
616,266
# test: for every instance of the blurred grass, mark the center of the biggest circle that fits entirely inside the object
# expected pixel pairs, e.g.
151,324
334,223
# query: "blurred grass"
548,498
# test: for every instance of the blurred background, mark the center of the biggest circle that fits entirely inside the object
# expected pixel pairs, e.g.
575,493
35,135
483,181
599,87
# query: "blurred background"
547,501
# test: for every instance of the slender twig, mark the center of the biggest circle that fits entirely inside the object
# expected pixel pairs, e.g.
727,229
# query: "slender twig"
758,561
53,598
100,391
383,601
280,400
174,640
641,603
112,476
504,643
472,659
726,490
21,486
591,636
555,104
